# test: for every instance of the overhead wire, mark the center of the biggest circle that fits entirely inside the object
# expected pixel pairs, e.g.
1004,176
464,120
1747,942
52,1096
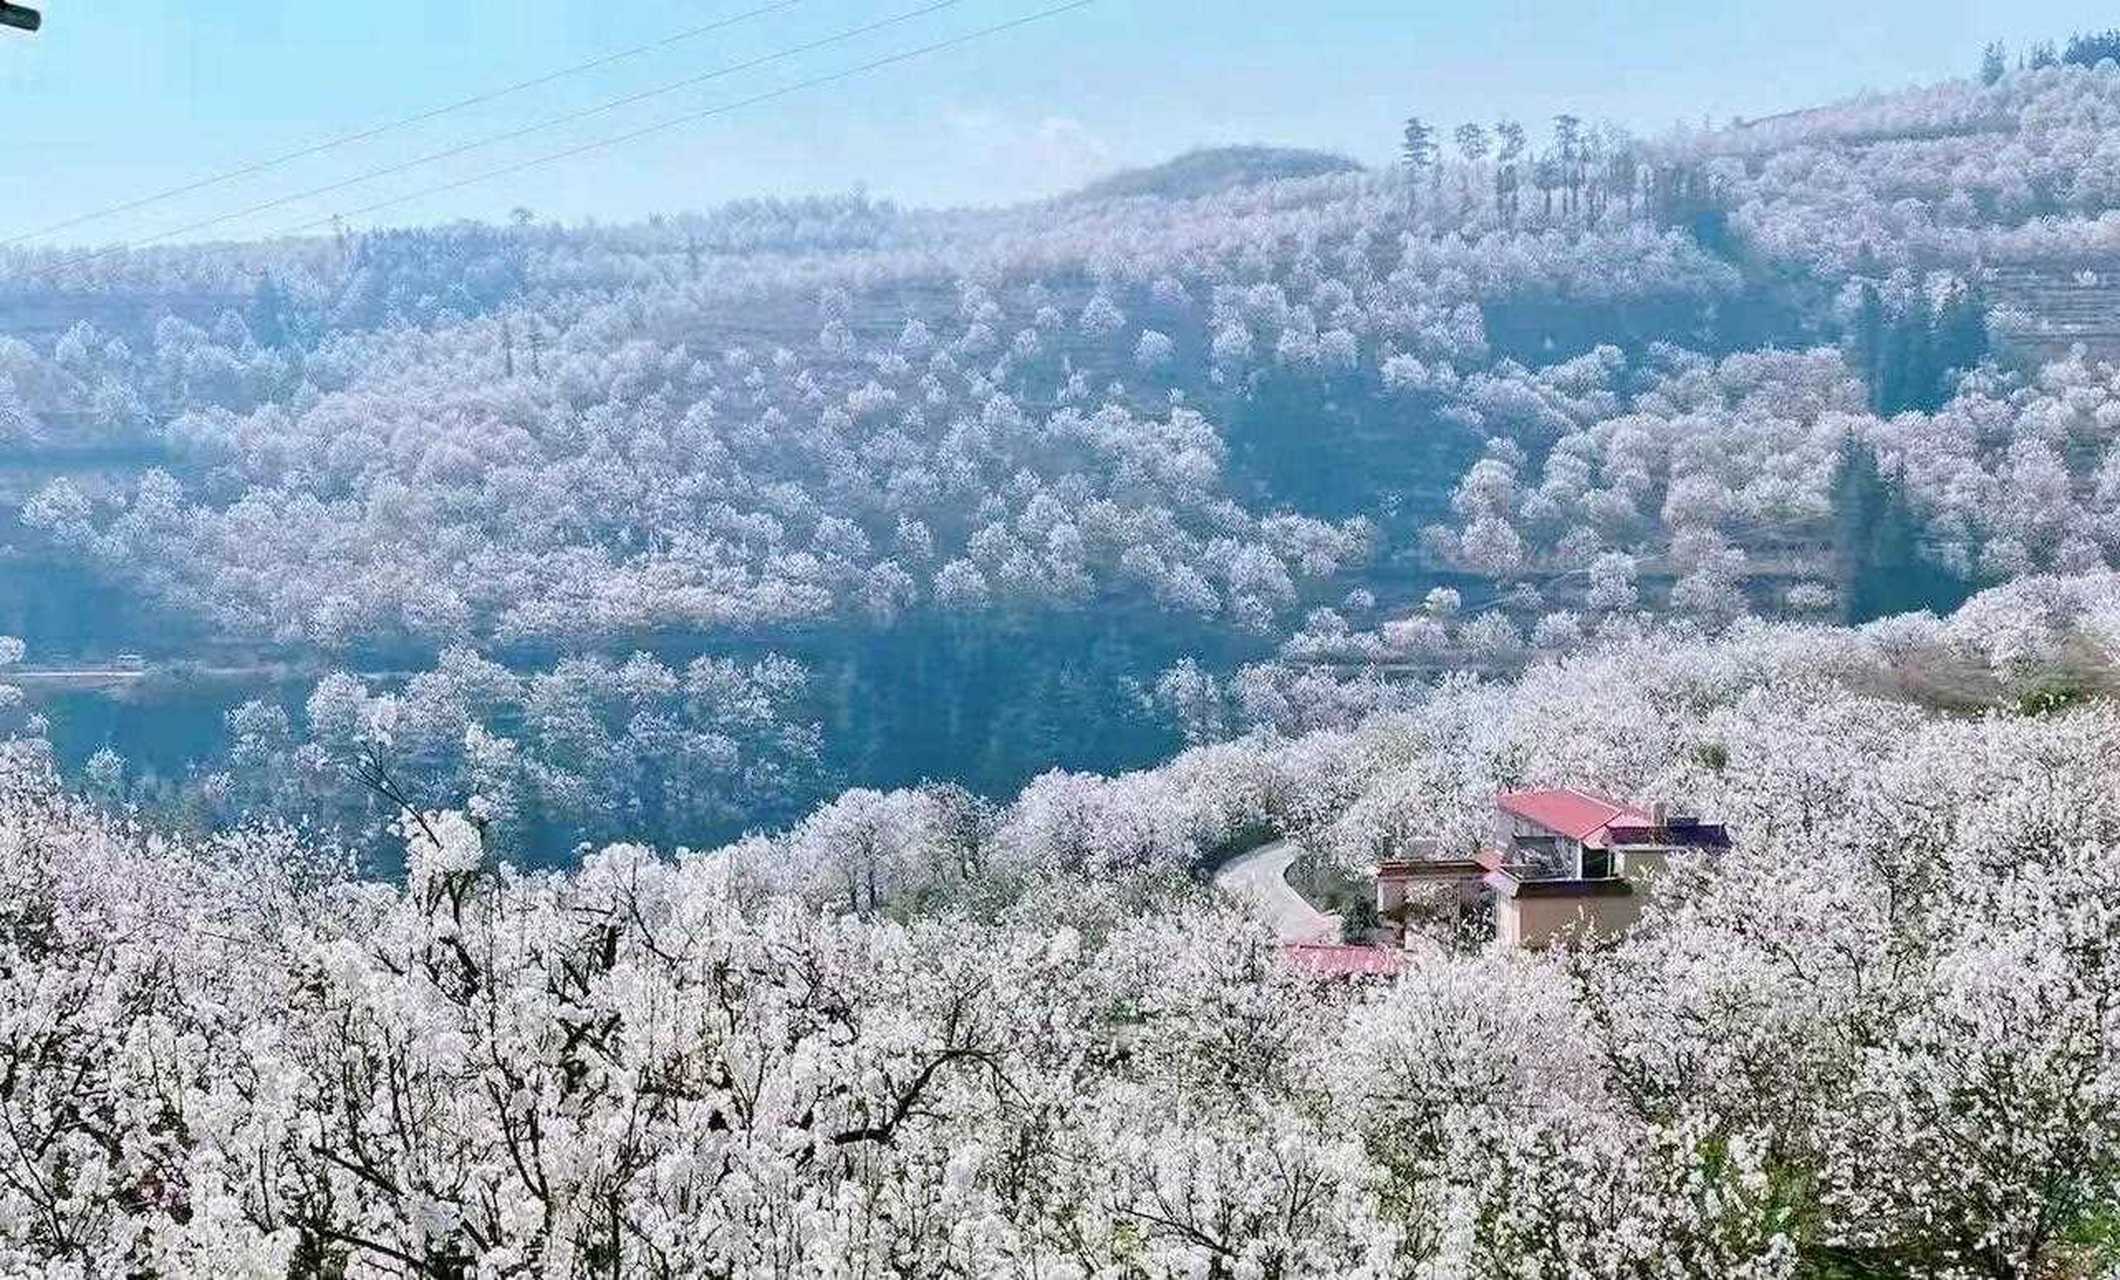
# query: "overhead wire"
253,168
696,116
602,108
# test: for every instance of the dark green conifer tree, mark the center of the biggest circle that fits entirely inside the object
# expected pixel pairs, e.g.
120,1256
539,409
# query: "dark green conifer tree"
1877,544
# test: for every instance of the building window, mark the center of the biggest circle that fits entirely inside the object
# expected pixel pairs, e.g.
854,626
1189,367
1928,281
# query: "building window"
1543,858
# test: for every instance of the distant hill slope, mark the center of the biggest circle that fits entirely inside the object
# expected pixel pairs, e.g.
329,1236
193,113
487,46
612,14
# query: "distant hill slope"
2065,300
1215,169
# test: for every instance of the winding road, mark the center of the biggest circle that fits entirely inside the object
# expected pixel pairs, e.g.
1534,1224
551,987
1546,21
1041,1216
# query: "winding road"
1261,878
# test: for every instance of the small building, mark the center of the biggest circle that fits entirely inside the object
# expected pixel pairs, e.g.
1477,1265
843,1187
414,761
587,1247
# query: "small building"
1344,960
1570,861
1561,862
1428,891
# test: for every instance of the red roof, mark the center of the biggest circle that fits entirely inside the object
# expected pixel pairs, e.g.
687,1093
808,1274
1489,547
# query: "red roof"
1578,815
1343,960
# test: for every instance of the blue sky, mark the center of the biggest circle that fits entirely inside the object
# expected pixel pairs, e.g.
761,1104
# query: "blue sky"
119,98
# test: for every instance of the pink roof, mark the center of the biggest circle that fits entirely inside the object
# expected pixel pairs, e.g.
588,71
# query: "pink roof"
1578,815
1340,960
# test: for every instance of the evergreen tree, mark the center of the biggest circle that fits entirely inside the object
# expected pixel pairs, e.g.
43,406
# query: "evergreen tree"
2088,49
1911,356
1992,63
1917,376
1509,149
1417,151
1547,176
268,313
1869,343
1877,544
1472,145
1568,151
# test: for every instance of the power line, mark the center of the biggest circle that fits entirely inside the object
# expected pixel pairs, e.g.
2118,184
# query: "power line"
510,135
695,116
671,123
404,122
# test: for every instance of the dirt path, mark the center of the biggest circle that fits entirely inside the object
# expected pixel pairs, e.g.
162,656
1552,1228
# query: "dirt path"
1261,878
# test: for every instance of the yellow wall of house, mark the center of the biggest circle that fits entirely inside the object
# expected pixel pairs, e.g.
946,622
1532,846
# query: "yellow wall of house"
1538,923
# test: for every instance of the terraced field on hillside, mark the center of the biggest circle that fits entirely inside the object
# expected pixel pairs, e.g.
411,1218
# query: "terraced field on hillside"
2069,302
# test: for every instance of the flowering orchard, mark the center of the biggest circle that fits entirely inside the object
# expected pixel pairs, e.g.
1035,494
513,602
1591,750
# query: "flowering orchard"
920,1035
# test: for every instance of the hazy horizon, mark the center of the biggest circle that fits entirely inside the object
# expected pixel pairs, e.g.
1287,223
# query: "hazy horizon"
131,99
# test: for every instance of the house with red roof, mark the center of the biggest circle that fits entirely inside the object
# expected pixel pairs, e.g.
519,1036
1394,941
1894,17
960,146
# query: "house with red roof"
1562,863
1344,960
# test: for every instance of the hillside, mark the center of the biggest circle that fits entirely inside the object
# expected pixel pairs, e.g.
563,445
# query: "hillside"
1548,711
951,494
2064,302
1213,170
1025,1020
